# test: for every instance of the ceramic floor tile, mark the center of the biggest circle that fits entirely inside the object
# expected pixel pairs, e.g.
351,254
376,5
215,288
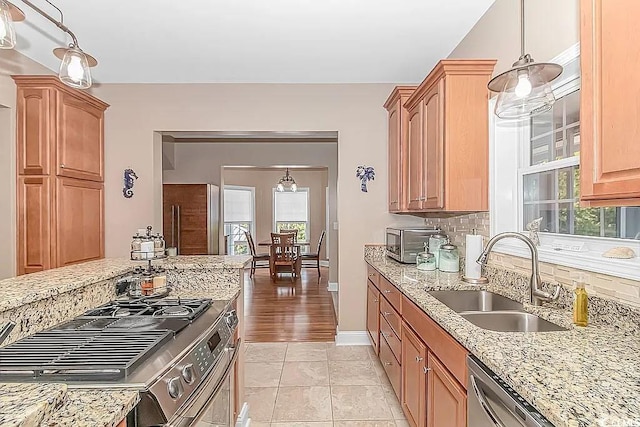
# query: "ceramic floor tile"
309,424
352,373
359,403
402,423
261,402
306,352
304,374
303,404
388,423
394,404
262,374
360,352
265,352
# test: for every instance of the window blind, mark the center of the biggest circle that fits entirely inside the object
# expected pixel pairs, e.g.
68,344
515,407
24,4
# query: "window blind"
291,207
238,205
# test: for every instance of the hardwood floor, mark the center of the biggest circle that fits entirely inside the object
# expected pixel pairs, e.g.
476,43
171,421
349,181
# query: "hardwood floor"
286,311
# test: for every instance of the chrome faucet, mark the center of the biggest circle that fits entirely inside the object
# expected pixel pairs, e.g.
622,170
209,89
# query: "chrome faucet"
536,295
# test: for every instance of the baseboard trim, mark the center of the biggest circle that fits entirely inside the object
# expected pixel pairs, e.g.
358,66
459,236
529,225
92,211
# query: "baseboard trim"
333,287
353,338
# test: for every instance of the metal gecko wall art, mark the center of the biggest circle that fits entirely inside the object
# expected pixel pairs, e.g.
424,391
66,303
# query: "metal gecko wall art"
129,179
365,174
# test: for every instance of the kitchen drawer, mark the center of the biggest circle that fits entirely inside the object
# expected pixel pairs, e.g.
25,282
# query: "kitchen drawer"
391,366
392,339
392,294
443,345
373,276
388,313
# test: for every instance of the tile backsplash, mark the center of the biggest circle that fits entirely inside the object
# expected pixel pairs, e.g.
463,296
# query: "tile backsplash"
605,286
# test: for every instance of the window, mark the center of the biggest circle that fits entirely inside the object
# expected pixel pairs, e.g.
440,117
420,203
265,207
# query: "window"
238,218
534,173
551,179
291,210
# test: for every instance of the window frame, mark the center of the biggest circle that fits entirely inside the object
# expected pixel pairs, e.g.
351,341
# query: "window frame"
506,200
308,220
252,223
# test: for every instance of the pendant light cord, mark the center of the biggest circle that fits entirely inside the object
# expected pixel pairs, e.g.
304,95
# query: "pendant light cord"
57,23
521,28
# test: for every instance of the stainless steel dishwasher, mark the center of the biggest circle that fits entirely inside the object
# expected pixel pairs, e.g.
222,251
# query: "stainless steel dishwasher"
493,403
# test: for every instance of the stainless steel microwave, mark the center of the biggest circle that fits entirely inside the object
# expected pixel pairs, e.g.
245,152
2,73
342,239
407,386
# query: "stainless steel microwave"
404,243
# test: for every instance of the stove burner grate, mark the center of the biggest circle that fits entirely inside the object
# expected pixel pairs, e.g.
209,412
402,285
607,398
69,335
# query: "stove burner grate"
173,311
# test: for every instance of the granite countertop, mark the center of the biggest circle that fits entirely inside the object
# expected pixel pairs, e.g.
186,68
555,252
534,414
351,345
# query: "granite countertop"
29,404
21,290
579,377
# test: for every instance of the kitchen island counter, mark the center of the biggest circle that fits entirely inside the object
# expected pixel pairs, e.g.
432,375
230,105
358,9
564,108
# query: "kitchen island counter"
576,378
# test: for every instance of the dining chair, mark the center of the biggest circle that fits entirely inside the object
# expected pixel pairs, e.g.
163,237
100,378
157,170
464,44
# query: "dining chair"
293,231
313,259
283,255
257,260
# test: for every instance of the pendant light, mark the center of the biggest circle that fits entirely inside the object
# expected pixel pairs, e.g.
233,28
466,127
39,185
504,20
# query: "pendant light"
525,89
285,182
75,63
9,14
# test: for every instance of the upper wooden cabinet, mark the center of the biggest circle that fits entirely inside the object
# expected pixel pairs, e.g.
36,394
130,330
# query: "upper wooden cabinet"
398,140
447,161
60,163
609,111
59,128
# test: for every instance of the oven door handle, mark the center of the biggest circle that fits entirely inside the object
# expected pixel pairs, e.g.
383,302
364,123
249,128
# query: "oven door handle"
488,410
183,420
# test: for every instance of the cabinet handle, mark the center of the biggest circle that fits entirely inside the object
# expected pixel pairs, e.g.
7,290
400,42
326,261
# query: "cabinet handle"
425,369
395,202
385,313
372,274
62,166
387,363
387,291
423,198
375,300
419,359
419,199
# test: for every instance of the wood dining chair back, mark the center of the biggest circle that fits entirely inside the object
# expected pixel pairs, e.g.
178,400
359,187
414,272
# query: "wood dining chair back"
284,255
313,259
293,231
257,260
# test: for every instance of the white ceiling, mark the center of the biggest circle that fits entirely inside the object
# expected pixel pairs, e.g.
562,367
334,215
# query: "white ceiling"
261,41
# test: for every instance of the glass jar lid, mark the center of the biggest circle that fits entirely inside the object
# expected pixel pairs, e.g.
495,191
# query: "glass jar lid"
448,247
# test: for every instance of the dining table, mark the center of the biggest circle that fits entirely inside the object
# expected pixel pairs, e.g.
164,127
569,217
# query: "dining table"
299,245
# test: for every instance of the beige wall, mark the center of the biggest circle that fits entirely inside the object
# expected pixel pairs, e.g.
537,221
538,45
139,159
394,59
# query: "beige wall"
355,111
11,63
551,27
264,182
194,163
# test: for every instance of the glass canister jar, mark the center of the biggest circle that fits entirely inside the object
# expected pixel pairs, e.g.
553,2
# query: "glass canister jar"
136,247
158,243
449,258
435,241
426,261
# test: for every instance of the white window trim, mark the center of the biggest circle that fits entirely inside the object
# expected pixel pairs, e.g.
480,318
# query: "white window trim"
253,205
506,199
308,221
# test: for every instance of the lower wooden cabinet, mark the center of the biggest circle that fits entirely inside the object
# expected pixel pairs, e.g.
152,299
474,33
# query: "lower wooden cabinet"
446,399
414,378
373,315
391,367
79,221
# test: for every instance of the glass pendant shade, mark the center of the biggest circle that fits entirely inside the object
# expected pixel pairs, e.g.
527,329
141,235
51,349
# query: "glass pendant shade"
524,90
294,187
74,69
7,31
287,182
280,187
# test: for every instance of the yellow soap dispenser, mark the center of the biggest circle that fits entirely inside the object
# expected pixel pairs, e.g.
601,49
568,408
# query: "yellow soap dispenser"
580,304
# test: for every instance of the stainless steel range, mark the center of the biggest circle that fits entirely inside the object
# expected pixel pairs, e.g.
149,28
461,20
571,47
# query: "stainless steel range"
179,353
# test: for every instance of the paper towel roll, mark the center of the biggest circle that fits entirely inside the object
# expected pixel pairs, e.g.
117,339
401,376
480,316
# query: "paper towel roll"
474,248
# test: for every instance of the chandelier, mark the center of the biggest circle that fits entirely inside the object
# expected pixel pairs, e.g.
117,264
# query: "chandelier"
75,63
287,182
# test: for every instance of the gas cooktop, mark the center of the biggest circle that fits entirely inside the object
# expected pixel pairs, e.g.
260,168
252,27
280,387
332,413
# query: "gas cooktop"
188,309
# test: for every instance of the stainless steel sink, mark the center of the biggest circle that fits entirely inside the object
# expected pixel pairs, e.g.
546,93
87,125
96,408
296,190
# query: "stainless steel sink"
510,321
460,301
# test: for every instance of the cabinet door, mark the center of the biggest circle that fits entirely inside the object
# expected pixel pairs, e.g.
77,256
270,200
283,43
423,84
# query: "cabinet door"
34,224
414,155
186,207
414,378
433,148
80,221
446,399
373,315
395,167
609,152
36,129
79,139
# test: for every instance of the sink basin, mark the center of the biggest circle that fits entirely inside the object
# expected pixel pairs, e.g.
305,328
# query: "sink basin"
460,301
510,321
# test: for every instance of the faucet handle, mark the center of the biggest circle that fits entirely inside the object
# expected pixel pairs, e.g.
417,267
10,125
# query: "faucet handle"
546,296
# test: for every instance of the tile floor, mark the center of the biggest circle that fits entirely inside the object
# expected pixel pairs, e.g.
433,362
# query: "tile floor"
318,385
